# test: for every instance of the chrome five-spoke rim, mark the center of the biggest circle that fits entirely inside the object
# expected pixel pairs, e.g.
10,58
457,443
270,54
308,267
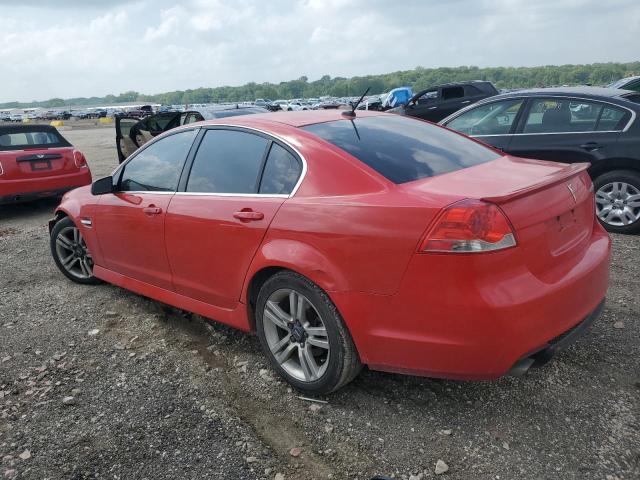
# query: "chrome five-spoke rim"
73,254
618,204
296,335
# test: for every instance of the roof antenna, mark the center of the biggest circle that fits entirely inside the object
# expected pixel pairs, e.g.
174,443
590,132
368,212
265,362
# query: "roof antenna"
352,113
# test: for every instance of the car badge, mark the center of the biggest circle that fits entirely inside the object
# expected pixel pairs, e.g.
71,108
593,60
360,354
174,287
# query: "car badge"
573,193
40,156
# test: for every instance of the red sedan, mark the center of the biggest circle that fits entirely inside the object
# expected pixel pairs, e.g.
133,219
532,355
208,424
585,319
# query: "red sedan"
377,240
36,161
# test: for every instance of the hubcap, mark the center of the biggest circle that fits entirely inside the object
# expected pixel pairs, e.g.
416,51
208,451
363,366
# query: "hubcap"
618,204
296,335
73,254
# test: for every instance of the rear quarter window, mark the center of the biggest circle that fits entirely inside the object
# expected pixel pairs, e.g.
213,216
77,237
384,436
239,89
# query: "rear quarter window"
403,149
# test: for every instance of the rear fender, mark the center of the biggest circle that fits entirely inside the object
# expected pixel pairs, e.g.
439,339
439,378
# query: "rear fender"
298,257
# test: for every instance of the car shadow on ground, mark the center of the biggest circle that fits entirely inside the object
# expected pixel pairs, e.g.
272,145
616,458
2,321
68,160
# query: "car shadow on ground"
27,210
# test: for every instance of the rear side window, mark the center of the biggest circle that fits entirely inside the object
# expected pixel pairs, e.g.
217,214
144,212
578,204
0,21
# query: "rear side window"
281,172
157,168
567,115
612,118
403,149
228,161
450,93
18,139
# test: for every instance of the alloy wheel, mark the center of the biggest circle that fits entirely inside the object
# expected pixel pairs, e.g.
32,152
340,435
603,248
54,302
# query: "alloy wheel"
618,204
296,335
73,254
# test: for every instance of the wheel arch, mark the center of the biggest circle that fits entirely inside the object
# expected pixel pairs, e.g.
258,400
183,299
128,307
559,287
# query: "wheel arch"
609,165
301,258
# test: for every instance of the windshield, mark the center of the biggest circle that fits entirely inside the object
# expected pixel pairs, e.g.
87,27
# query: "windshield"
403,149
37,136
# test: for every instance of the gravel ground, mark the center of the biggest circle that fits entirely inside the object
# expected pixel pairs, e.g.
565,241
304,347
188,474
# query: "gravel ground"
97,382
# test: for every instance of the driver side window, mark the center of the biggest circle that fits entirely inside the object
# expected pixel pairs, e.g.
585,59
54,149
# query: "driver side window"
157,168
489,119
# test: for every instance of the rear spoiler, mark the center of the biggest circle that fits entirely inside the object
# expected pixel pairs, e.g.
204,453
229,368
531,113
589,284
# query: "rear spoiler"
563,175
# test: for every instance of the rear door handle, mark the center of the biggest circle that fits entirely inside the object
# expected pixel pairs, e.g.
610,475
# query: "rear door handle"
248,215
152,210
466,101
591,146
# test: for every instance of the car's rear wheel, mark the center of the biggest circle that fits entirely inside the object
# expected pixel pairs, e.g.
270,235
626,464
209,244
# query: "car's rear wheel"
303,335
618,201
70,252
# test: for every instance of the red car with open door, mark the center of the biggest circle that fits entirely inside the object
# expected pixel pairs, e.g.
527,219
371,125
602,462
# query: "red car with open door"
36,161
344,241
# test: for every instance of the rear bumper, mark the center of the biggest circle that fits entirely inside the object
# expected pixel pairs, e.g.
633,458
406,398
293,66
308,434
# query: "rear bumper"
475,317
544,355
12,191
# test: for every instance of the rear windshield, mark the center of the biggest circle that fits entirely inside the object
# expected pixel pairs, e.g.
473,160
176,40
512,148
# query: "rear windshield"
403,149
19,138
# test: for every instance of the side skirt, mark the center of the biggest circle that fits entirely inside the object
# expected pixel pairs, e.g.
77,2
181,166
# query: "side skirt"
236,318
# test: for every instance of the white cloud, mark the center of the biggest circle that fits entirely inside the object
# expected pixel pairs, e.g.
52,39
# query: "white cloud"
77,48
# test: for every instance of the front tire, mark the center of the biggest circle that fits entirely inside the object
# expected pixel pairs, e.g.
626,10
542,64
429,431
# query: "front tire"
303,335
70,252
618,201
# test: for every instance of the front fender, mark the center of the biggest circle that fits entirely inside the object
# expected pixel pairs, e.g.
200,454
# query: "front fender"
298,257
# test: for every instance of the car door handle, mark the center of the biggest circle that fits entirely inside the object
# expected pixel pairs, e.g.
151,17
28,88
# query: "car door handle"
152,210
591,146
466,101
432,108
248,215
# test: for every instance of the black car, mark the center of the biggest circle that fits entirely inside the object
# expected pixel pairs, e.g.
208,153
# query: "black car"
132,133
436,103
580,124
629,83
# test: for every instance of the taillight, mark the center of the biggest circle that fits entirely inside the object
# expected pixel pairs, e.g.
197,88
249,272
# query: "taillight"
78,159
470,226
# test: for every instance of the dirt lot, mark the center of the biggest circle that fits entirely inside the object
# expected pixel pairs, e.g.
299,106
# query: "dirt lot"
97,382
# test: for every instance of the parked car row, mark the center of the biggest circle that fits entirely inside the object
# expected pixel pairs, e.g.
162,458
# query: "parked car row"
247,217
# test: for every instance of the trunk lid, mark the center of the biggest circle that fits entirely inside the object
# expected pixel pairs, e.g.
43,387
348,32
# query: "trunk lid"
550,205
37,162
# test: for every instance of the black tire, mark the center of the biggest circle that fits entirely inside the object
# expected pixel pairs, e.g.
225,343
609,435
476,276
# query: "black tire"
632,179
65,224
343,363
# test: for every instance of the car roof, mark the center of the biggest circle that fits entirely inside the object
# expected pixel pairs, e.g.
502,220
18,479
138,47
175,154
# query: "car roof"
294,119
569,91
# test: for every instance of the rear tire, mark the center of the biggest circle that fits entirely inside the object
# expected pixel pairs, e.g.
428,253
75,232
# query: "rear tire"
618,201
311,348
70,253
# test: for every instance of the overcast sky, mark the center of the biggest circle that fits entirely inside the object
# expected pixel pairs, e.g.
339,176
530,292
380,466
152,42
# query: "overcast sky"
70,48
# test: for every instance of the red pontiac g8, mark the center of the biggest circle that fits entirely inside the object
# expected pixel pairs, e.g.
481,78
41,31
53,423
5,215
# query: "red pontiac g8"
344,241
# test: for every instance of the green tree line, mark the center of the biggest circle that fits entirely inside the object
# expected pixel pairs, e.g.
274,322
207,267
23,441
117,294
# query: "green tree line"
418,78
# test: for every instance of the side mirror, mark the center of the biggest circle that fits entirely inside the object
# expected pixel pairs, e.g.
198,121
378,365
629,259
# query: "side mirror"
102,186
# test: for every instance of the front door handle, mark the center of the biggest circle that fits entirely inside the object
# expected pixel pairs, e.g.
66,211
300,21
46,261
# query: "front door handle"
590,146
248,215
152,210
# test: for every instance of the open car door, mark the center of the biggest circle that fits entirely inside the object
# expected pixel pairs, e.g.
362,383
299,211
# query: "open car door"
125,143
132,133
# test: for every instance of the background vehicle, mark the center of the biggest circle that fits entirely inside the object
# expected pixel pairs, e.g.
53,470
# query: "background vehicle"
629,83
276,223
579,124
36,161
435,103
140,112
132,133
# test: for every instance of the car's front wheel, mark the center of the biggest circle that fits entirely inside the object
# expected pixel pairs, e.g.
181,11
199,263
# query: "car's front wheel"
303,335
618,201
70,252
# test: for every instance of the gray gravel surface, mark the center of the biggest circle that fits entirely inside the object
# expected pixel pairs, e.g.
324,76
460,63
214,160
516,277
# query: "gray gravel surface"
97,382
